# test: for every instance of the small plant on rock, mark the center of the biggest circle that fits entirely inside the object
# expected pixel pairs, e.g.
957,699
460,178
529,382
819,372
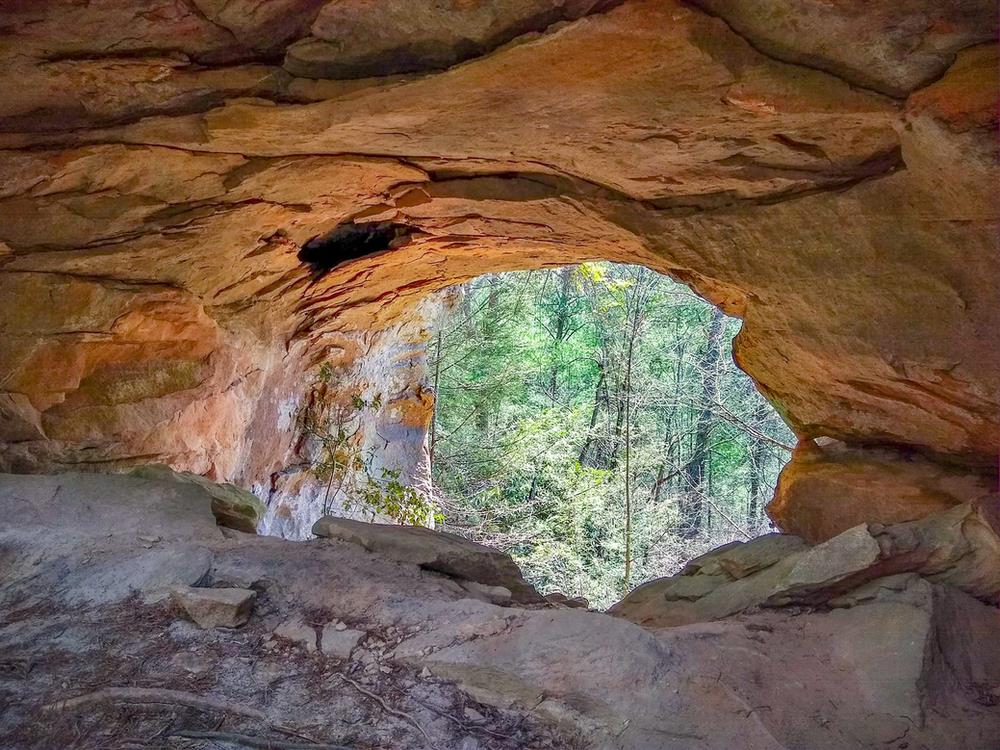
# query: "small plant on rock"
392,498
345,468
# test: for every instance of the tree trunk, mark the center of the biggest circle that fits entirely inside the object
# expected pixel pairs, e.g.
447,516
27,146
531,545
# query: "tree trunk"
758,456
693,513
594,414
561,328
490,323
434,411
628,451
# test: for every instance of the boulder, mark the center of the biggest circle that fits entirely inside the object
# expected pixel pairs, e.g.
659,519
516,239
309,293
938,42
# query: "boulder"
740,559
232,507
828,487
439,551
958,546
216,608
821,568
574,602
496,594
714,585
59,529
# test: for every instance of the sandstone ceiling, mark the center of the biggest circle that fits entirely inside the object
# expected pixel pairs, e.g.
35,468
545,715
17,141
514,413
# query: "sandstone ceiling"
824,170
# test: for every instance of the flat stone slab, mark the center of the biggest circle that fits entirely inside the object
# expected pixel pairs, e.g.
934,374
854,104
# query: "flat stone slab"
740,559
339,642
216,608
232,507
298,632
433,550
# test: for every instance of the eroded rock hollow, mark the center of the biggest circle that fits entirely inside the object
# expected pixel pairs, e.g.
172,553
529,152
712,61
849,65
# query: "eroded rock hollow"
217,216
202,202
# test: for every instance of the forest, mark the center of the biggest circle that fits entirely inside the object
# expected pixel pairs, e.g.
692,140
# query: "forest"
590,420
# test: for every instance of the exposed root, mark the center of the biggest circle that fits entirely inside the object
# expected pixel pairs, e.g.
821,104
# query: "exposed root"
246,740
386,707
156,696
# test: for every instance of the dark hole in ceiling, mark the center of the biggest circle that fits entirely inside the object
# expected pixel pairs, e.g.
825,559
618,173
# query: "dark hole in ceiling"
351,241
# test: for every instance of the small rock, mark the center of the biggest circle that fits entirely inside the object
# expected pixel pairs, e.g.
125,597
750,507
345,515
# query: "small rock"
474,716
426,673
298,632
339,642
192,662
215,608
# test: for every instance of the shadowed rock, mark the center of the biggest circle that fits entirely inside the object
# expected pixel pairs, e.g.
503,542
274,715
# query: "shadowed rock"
433,550
231,506
893,48
958,546
359,39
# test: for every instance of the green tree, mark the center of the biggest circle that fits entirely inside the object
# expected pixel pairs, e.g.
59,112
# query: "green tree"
590,421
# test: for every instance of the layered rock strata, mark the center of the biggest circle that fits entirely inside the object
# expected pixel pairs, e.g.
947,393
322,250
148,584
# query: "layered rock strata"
825,174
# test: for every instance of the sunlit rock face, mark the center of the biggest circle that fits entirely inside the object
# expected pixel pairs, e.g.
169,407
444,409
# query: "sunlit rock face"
828,177
827,487
391,427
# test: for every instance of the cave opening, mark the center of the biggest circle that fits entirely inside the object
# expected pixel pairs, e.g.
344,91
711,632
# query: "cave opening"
351,241
591,421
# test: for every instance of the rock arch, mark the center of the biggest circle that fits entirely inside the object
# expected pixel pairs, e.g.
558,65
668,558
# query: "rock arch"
161,172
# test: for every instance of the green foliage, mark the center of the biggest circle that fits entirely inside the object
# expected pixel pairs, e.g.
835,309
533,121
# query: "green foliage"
390,497
534,405
346,469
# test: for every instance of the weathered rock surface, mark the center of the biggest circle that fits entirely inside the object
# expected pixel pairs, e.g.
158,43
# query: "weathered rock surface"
358,39
339,642
215,607
575,602
162,167
826,489
898,661
434,550
894,48
959,546
298,632
739,559
231,506
163,541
